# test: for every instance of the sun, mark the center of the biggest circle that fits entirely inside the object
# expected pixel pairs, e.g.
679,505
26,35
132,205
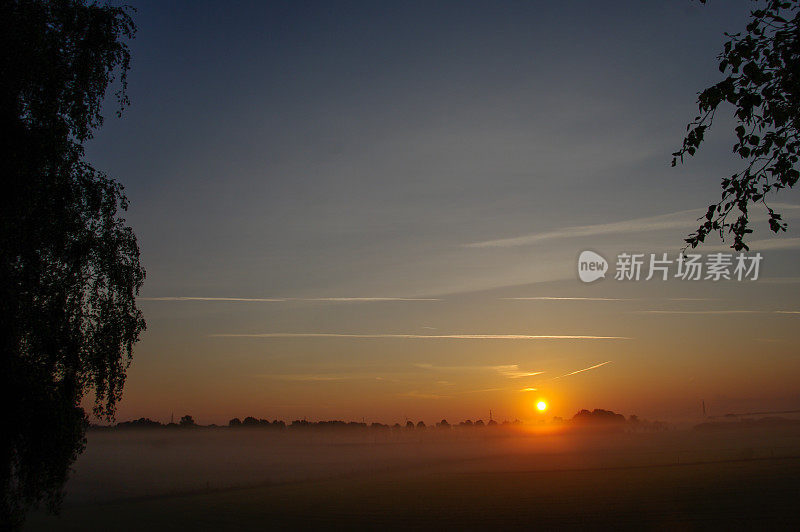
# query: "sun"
541,406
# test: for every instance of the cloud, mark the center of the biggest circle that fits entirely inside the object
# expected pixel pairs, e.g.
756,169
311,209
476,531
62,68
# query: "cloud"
362,299
687,219
547,298
582,370
733,311
701,311
313,377
322,377
420,395
511,371
761,245
248,299
484,390
780,280
529,389
424,336
284,299
676,220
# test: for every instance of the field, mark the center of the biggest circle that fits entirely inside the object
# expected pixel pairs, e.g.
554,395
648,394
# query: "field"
223,479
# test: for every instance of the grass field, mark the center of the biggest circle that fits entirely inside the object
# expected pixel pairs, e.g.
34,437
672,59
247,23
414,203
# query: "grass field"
679,480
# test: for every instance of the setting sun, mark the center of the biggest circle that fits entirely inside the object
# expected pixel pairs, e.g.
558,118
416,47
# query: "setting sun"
541,406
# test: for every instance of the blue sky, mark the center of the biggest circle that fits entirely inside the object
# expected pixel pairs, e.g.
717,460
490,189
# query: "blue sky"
456,152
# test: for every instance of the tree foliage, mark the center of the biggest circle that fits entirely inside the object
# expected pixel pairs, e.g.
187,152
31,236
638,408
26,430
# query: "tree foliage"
69,265
763,85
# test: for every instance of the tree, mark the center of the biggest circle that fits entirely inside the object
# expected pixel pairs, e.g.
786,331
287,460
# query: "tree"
598,416
187,421
763,84
69,266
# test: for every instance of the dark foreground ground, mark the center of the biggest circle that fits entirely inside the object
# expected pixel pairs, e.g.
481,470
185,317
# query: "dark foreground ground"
747,479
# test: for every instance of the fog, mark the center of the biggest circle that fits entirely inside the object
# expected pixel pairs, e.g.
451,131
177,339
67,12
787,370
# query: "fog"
131,464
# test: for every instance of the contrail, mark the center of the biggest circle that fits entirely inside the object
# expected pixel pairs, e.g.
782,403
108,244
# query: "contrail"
582,370
284,299
543,298
264,299
425,336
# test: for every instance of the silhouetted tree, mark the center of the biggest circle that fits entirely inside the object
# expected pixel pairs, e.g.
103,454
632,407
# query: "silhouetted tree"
410,425
250,421
69,266
443,424
187,421
598,416
140,423
235,422
763,84
421,425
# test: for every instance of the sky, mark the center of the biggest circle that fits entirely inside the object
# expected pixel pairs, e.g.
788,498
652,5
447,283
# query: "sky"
361,210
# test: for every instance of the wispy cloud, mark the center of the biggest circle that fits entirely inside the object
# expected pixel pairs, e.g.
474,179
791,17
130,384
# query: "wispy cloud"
319,377
760,245
425,336
511,371
283,299
722,312
425,395
247,299
549,298
483,390
529,389
676,220
780,280
687,219
421,395
582,370
737,311
363,299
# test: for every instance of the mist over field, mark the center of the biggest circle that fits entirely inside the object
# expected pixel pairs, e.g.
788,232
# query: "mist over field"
254,477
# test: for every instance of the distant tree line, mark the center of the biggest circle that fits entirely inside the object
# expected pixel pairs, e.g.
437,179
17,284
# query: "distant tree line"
583,418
